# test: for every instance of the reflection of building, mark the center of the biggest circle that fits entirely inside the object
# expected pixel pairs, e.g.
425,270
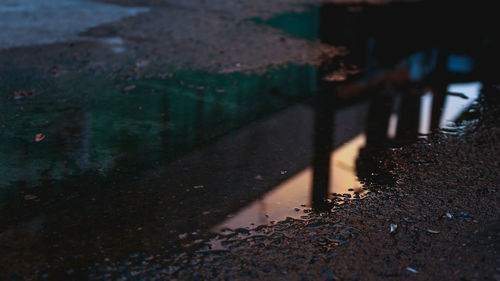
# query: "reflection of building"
135,131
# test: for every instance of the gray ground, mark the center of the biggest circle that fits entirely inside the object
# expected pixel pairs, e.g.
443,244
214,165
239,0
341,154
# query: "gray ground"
190,34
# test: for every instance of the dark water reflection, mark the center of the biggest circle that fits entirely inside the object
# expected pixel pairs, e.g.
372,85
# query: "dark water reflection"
152,165
103,125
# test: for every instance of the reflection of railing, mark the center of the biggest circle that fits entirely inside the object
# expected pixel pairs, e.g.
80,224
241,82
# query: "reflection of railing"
293,186
399,69
394,117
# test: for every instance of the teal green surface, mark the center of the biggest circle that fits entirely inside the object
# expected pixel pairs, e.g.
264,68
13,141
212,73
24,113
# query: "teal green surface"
92,123
303,24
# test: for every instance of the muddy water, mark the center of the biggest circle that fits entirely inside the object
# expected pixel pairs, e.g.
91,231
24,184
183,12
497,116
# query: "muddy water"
99,168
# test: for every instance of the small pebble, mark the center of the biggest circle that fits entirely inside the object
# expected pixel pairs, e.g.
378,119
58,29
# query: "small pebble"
412,270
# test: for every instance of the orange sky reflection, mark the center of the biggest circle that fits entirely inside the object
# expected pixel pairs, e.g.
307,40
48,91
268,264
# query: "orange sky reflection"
282,201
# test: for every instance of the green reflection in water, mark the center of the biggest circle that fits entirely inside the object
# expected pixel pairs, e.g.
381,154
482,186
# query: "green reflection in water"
92,124
303,25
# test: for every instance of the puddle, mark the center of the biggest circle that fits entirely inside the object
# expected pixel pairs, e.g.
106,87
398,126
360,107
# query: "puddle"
455,106
292,197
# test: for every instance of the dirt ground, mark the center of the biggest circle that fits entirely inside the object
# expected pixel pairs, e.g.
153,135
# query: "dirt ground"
218,37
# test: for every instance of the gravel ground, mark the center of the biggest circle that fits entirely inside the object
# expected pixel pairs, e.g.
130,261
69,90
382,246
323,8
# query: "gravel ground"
444,211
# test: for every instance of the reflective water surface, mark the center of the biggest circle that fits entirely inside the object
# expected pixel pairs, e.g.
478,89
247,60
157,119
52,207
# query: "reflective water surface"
99,168
289,199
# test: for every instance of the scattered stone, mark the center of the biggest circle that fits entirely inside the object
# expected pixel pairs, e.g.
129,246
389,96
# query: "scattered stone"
412,270
393,228
21,94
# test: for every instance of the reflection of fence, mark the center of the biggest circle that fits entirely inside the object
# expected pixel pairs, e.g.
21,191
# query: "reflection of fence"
400,65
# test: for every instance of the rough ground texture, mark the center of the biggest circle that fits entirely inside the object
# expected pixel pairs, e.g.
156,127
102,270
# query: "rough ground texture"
445,204
220,36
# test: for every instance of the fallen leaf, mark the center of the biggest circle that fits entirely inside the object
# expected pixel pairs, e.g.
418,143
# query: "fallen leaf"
30,197
20,94
129,88
39,137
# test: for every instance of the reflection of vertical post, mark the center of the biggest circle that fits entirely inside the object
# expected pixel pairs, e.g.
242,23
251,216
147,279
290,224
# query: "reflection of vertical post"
199,128
332,24
439,85
376,130
409,117
73,141
331,32
439,95
439,92
323,146
377,121
165,118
